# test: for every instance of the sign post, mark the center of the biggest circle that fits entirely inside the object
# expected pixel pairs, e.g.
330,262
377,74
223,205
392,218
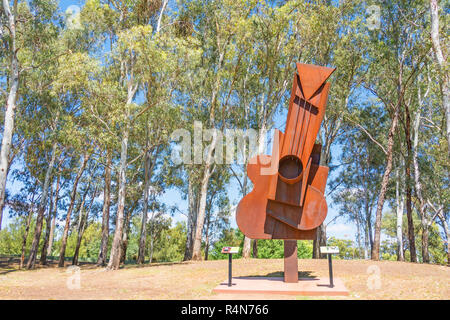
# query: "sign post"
230,251
329,251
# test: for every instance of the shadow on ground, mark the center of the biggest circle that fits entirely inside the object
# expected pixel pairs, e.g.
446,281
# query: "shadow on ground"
280,274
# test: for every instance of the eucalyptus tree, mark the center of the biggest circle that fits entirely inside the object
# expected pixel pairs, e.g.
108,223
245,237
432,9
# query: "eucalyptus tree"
440,56
24,204
41,113
360,168
28,31
396,52
132,56
50,222
157,126
218,206
8,24
431,167
91,187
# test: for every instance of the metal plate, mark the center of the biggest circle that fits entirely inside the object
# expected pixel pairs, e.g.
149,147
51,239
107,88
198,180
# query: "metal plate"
330,250
230,250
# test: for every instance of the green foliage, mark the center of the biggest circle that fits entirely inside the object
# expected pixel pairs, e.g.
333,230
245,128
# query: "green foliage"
346,249
170,244
229,238
11,237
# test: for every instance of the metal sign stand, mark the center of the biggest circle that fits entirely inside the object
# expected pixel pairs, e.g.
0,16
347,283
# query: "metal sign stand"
230,251
329,251
330,267
230,262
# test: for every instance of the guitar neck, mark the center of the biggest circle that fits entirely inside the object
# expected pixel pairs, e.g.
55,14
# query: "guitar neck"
303,121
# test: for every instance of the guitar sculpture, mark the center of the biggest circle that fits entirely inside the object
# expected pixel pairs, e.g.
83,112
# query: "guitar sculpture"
287,201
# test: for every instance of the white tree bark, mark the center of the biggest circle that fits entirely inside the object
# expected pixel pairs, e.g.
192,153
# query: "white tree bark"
54,213
399,210
143,236
418,186
114,260
158,25
10,106
196,253
442,61
447,234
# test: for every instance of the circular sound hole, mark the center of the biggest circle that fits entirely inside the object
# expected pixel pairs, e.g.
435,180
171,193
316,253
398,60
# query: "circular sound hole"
290,167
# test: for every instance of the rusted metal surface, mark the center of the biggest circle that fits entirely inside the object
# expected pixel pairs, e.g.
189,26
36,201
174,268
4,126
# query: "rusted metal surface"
287,200
290,261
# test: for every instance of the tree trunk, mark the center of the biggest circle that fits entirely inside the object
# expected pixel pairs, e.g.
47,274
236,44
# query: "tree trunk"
192,218
369,226
418,186
152,237
384,184
143,236
48,222
105,214
114,260
40,217
411,236
358,233
321,236
25,236
197,245
196,252
366,241
246,249
65,235
442,62
368,212
447,234
319,241
399,210
79,237
124,244
255,248
151,248
80,226
207,236
8,127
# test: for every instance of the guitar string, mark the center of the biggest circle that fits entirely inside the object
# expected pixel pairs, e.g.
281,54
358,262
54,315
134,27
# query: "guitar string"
303,124
291,145
319,91
292,142
304,140
287,126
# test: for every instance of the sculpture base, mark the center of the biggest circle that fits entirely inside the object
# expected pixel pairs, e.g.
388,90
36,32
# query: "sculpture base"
290,261
276,285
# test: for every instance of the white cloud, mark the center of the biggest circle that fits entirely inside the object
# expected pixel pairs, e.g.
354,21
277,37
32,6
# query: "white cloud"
340,230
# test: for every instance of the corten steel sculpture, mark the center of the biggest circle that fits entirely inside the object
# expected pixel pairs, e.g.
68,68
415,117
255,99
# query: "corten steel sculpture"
287,201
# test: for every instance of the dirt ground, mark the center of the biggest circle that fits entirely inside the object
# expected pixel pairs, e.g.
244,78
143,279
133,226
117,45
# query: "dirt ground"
195,280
